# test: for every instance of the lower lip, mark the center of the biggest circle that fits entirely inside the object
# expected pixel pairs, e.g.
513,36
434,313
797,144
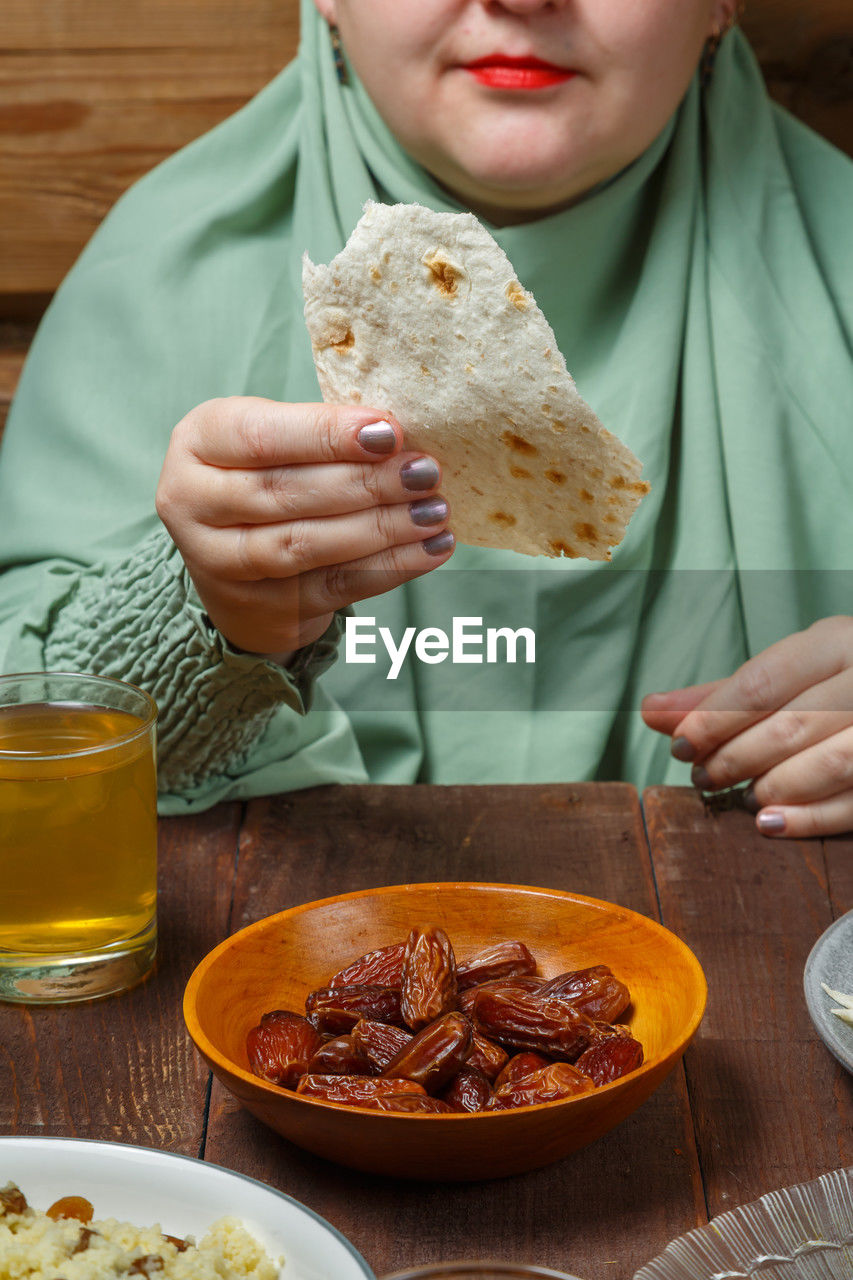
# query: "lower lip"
503,77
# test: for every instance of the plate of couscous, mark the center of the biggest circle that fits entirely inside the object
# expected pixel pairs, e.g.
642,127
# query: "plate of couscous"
99,1210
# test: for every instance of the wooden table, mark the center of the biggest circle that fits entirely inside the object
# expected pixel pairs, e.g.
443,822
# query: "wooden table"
759,1103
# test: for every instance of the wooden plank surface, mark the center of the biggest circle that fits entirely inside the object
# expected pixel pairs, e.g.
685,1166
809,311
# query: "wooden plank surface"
14,341
122,1069
94,93
806,54
600,1213
770,1104
762,1104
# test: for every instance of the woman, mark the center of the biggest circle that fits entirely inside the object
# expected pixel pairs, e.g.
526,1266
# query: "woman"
688,243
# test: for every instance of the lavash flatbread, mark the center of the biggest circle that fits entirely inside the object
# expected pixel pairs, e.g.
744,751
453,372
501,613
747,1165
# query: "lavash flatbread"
421,315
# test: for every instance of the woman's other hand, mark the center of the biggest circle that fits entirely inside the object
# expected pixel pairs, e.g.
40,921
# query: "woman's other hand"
284,513
783,721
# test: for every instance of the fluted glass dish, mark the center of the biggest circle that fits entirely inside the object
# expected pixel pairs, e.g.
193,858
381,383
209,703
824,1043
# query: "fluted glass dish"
803,1232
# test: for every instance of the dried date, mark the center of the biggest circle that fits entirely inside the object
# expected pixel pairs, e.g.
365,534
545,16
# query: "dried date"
610,1059
528,984
548,1084
503,960
553,1027
487,1056
411,1102
435,1054
353,1090
280,1048
429,977
519,1066
380,968
338,1009
469,1090
441,1033
378,1041
339,1057
595,991
607,1030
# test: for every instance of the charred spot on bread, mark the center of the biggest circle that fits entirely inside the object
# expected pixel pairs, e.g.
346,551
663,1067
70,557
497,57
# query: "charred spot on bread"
519,444
444,274
559,548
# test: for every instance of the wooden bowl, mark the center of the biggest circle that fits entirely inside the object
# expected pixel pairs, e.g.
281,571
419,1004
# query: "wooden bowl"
275,963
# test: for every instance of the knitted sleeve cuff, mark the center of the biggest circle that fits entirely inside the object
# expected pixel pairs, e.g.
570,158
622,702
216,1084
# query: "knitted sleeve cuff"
139,619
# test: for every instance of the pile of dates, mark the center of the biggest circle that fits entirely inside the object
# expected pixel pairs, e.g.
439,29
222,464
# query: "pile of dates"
407,1028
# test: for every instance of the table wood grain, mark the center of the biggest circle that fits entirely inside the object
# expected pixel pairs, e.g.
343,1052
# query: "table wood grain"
758,1103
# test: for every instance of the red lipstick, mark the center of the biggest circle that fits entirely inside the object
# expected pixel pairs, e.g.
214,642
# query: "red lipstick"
498,71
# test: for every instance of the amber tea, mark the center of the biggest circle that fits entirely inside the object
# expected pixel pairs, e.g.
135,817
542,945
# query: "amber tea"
78,841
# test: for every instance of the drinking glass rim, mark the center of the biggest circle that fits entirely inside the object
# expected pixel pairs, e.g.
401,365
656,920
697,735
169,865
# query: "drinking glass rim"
120,739
474,1266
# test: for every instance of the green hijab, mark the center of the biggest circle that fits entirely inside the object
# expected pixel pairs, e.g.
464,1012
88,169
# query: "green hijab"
703,301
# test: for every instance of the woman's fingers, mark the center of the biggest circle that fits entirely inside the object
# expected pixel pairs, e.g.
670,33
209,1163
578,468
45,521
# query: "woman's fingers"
810,718
784,720
819,772
252,553
830,817
285,614
271,495
763,685
663,711
373,575
259,496
246,432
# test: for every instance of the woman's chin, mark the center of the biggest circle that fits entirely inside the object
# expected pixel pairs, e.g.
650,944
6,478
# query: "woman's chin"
523,174
517,192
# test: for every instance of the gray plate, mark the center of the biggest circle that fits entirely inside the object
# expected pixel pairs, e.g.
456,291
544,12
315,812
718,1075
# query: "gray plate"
831,961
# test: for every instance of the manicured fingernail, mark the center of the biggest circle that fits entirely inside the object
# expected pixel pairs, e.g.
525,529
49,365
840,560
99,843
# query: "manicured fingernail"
771,823
428,511
419,473
700,777
377,437
750,802
442,542
683,749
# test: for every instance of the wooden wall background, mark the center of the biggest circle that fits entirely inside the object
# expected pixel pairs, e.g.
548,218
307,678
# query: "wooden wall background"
93,93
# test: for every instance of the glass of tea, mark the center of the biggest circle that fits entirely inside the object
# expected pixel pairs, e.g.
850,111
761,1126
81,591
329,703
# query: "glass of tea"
78,837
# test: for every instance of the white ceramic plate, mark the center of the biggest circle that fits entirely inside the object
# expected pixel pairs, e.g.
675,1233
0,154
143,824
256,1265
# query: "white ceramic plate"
831,961
183,1195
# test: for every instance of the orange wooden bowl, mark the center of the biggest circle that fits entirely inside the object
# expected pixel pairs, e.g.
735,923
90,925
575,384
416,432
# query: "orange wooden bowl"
275,963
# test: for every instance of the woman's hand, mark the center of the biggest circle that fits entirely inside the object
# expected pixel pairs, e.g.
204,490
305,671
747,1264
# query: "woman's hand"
784,720
284,513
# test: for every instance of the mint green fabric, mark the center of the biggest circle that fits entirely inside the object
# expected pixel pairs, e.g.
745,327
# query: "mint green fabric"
703,300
